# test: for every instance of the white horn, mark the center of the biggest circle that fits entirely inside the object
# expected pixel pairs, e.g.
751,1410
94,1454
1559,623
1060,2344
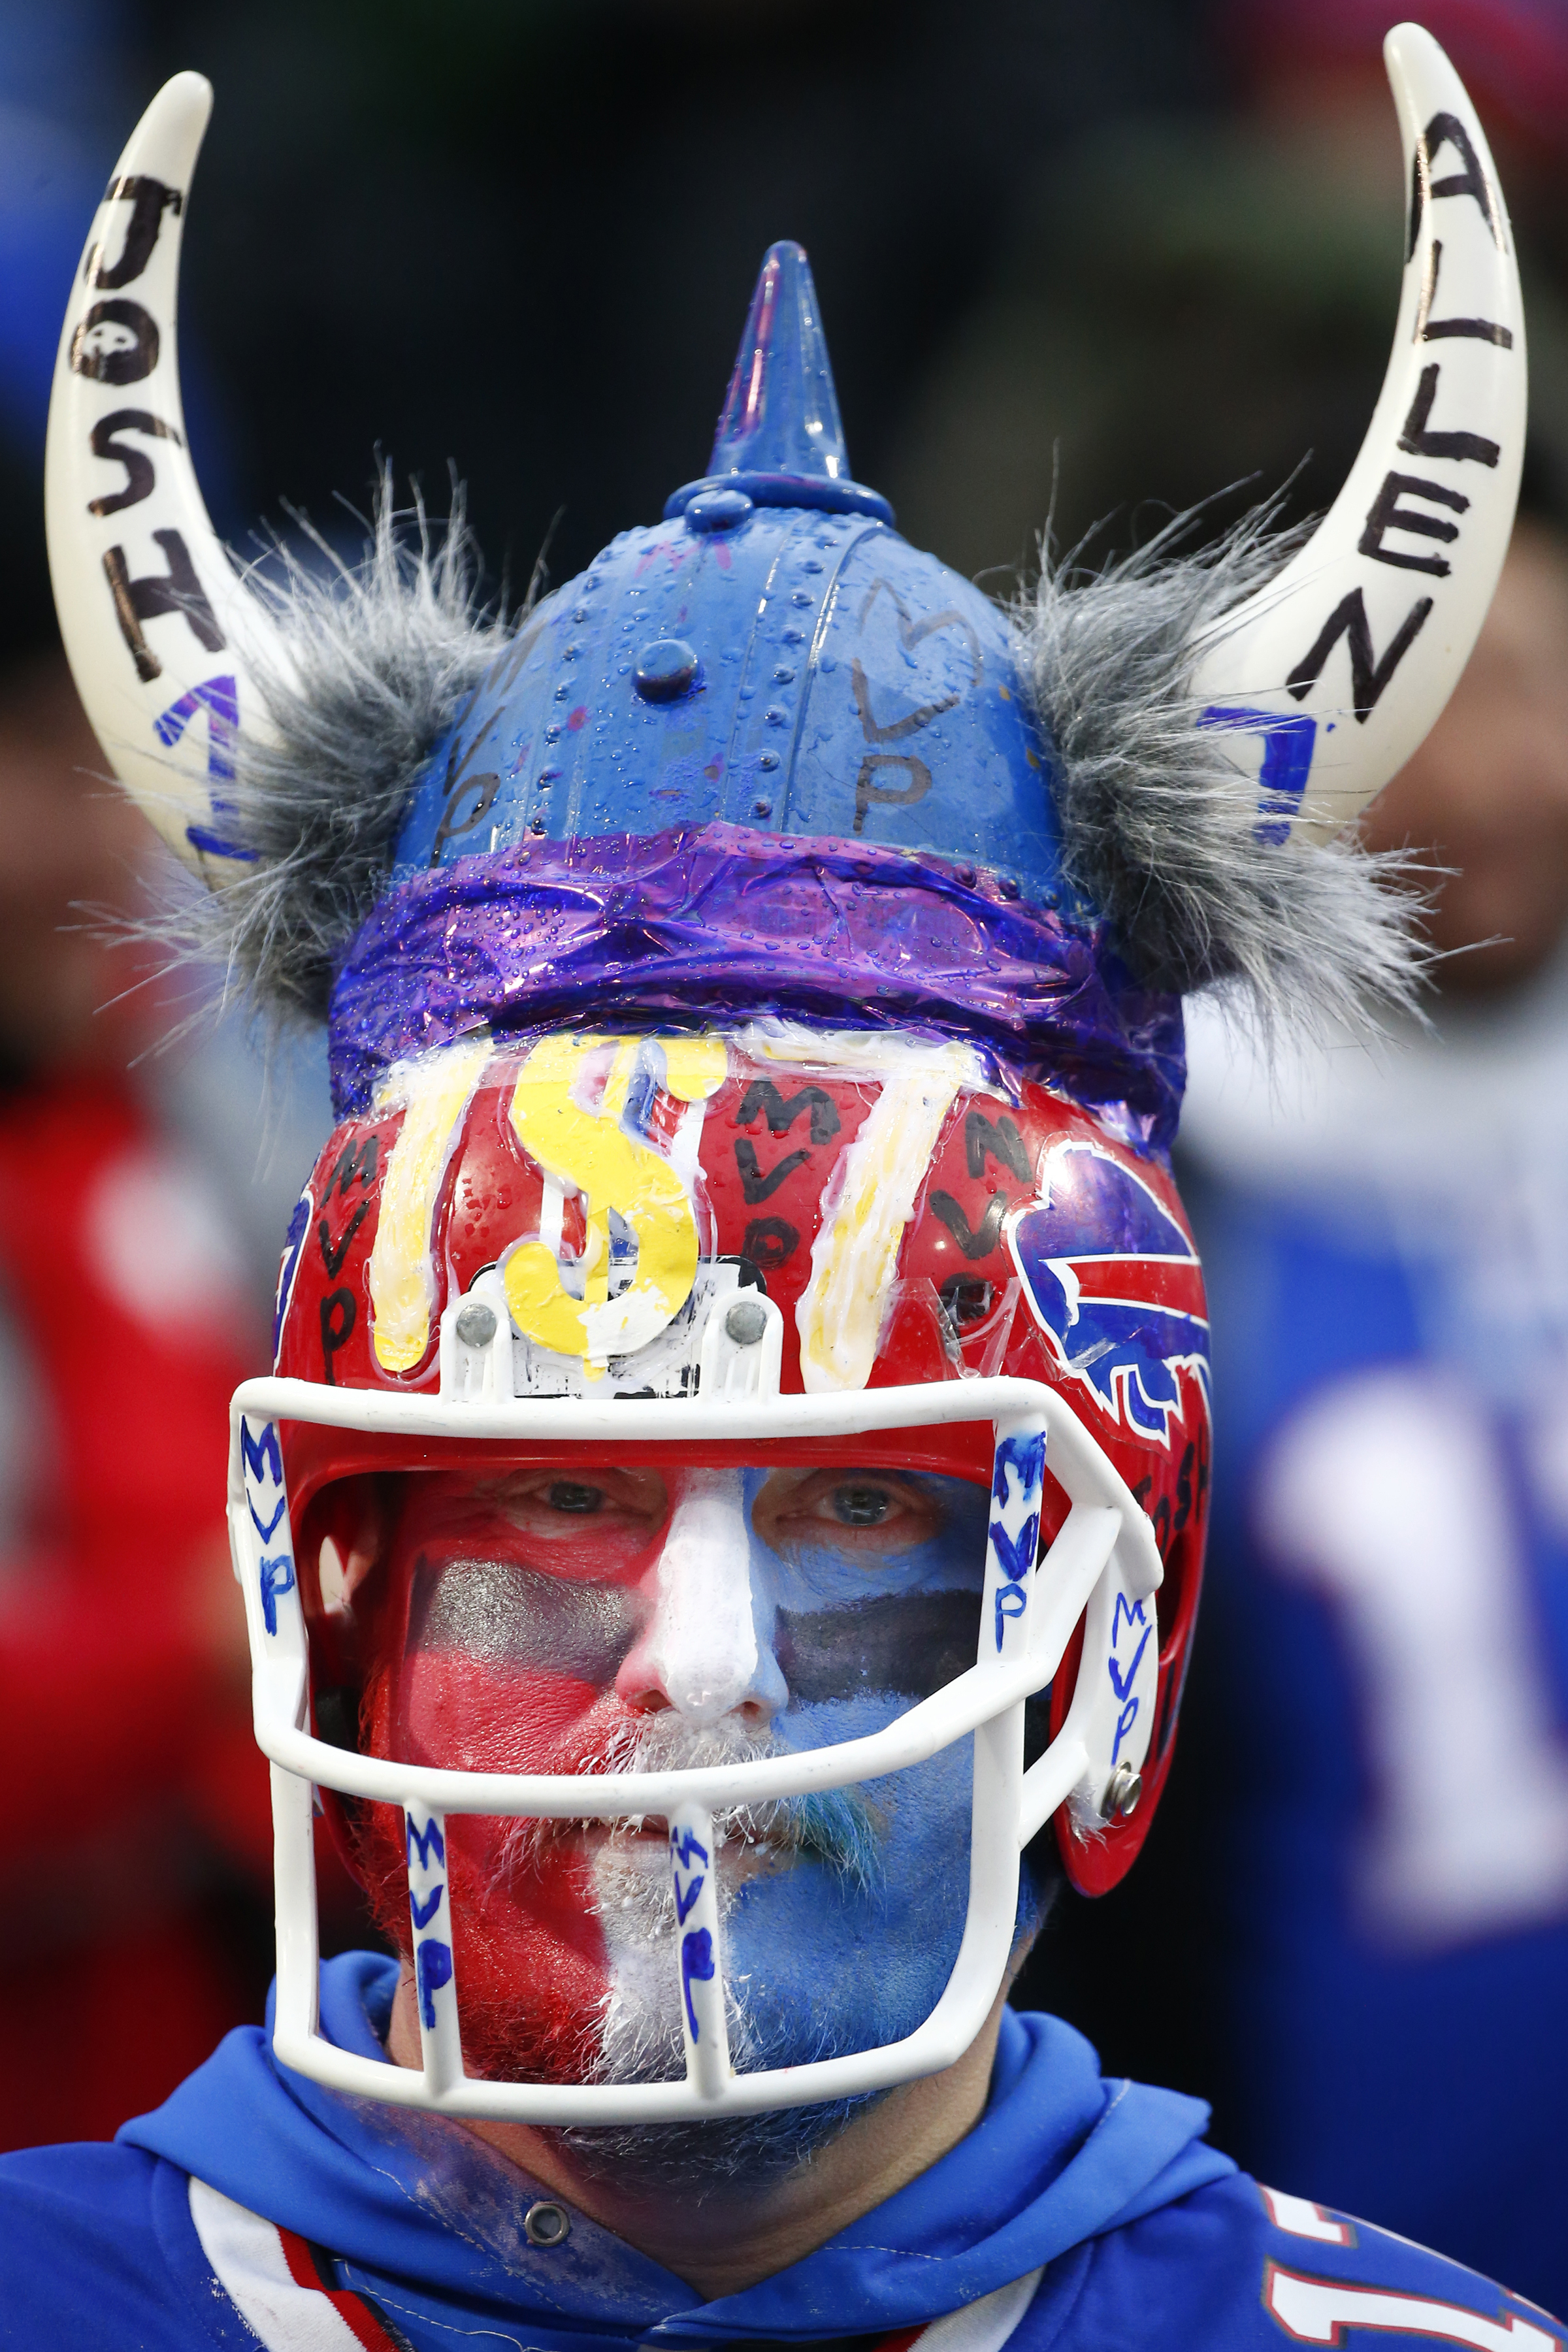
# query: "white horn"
156,621
1339,667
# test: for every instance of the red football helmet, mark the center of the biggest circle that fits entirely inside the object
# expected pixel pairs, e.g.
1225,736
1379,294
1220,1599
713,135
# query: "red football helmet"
790,1247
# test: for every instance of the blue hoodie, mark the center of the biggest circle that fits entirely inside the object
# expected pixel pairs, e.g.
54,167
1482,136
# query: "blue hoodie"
414,2229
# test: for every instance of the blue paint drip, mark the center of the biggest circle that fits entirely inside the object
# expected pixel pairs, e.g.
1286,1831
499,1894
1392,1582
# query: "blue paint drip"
696,1961
433,1966
277,1577
293,1242
1287,743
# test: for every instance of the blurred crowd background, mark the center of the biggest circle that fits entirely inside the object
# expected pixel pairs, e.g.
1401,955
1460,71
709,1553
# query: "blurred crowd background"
1090,264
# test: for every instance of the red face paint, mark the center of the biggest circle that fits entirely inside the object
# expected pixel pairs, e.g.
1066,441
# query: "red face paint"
506,1606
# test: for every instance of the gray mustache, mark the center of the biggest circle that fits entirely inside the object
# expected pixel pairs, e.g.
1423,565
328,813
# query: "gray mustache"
833,1826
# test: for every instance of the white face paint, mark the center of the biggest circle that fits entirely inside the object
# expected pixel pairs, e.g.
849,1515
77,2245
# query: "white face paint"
708,1648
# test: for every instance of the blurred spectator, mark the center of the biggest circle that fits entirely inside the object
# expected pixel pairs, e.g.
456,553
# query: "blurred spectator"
139,1839
142,1195
1386,1819
1351,1928
1190,305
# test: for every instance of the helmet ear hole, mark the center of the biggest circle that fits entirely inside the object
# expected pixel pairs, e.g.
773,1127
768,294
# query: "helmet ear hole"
339,1547
343,1540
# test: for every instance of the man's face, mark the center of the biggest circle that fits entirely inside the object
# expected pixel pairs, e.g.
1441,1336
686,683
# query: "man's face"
596,1617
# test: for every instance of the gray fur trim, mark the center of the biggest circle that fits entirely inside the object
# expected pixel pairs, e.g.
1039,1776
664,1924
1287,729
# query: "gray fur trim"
379,657
1160,829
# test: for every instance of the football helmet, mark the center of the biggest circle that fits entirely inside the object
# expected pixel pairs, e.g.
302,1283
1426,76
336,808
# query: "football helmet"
741,1086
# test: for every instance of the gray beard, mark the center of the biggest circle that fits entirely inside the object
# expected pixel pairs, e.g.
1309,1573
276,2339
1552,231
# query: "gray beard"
641,2033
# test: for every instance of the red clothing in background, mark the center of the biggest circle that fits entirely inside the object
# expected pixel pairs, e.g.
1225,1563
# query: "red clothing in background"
134,1792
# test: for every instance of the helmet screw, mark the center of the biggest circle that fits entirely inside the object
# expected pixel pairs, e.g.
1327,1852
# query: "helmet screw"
746,1323
476,1328
1122,1791
546,2225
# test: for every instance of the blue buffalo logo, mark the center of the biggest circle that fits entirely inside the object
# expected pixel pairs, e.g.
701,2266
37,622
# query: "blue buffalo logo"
1115,1288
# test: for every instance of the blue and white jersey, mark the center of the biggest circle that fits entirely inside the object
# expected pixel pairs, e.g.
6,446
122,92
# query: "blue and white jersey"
1385,1236
1079,2214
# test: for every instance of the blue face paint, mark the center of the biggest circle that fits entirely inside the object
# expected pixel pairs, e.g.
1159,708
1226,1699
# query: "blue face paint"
846,1595
848,1942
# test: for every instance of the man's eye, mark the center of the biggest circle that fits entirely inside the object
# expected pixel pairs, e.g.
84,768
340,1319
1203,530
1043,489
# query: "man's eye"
862,1507
563,1496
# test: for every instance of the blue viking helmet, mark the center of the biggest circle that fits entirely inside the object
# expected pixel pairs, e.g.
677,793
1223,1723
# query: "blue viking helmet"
771,657
763,755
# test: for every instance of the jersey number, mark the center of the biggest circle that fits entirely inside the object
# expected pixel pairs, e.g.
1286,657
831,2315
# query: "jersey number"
1386,1493
1318,2311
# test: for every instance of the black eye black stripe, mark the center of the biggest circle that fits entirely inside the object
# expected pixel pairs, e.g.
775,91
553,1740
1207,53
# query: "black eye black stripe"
910,1643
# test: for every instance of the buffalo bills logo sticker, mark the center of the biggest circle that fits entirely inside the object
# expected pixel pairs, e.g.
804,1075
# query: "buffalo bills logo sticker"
1115,1286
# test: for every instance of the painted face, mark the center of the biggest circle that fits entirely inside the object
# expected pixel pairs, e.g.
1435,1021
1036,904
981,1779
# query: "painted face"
602,1617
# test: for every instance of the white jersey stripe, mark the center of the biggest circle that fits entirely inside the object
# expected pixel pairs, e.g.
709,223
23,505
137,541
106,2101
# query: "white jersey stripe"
248,2255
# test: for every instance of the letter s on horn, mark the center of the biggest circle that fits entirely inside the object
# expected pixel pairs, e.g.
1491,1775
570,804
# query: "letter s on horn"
1341,666
160,630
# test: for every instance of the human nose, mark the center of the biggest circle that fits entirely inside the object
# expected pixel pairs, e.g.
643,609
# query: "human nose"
702,1652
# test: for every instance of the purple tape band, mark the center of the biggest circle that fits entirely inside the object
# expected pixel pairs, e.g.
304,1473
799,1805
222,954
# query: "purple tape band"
719,922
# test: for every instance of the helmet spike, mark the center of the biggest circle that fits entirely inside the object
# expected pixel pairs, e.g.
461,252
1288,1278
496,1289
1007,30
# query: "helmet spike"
781,414
780,443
